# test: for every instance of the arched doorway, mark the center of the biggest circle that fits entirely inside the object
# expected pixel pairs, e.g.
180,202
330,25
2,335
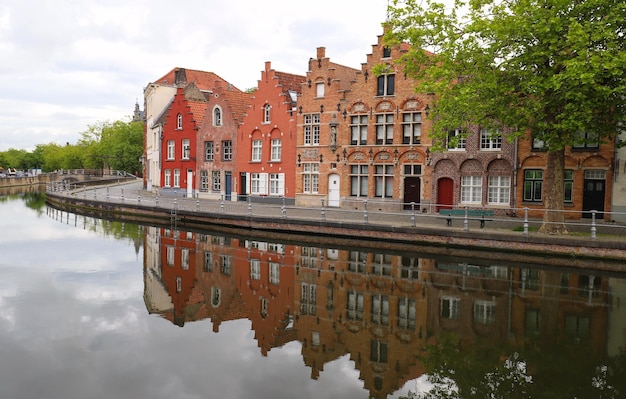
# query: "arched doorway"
445,193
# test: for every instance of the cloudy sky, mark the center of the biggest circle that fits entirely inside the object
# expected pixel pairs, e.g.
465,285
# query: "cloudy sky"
68,64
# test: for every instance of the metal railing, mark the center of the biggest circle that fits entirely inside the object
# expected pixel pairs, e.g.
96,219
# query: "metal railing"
588,223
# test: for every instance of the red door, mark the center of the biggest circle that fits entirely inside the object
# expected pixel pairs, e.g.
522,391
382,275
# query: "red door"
445,193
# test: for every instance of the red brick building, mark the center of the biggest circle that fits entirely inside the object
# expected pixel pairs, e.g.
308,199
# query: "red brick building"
266,142
216,152
181,121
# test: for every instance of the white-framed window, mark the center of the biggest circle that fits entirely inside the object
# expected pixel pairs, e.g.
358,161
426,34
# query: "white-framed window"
276,153
358,129
226,264
381,265
357,261
179,121
216,296
204,181
274,273
319,89
471,189
186,149
217,116
450,308
484,312
383,175
217,180
257,183
255,269
179,284
208,261
456,140
227,150
176,177
267,113
411,128
499,190
358,180
257,148
208,151
171,251
490,140
277,184
380,309
406,313
384,129
308,298
171,149
385,85
355,306
312,129
167,178
184,258
310,177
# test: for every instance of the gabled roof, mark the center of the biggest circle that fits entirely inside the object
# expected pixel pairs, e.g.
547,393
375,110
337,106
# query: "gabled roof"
206,81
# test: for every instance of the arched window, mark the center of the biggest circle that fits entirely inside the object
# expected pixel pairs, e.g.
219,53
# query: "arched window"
179,121
217,116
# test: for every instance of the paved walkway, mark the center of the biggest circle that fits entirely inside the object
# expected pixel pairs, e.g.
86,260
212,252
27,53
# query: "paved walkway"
133,193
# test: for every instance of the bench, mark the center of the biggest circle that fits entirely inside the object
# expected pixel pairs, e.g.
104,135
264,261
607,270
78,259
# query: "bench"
472,214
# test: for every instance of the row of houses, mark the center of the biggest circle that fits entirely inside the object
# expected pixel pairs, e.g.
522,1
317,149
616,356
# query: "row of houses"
341,136
380,309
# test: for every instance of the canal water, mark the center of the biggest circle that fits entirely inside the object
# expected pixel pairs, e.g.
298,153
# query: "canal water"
91,308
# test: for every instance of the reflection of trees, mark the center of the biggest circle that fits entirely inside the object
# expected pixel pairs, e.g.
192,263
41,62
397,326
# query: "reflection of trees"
482,370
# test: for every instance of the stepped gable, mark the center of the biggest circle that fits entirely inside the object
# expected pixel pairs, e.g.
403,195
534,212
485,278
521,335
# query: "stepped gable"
238,101
197,102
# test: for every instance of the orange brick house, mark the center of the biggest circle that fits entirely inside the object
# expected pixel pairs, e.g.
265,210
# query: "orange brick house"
369,140
266,141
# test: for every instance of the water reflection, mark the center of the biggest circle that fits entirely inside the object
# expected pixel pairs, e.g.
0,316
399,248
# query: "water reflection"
475,329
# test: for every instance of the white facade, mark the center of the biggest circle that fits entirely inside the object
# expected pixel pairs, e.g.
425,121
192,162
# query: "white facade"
619,184
157,97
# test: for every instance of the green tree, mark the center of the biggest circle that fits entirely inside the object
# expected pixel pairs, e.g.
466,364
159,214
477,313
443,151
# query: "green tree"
555,68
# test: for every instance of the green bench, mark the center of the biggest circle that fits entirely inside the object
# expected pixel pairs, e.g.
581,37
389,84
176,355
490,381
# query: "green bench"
472,214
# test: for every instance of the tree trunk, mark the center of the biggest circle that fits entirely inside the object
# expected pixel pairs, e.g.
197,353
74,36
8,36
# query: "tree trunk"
553,216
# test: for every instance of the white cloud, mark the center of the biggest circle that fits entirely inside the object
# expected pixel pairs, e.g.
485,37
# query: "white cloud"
71,63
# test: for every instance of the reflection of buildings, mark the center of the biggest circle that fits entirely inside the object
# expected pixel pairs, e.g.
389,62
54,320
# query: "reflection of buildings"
370,305
379,308
498,304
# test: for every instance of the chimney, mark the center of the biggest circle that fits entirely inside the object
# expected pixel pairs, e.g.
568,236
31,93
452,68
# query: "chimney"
321,52
180,77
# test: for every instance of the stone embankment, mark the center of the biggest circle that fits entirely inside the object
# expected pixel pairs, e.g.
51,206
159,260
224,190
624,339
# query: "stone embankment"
327,227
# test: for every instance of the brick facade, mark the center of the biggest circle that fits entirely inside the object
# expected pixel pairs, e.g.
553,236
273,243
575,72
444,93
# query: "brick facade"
268,169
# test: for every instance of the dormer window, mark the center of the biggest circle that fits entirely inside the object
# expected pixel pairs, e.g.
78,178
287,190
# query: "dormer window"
267,115
217,116
179,121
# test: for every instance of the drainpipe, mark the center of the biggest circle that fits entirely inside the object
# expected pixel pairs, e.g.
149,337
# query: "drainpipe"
515,177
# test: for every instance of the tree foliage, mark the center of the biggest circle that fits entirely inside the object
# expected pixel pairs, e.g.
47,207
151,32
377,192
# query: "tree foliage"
114,146
552,67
